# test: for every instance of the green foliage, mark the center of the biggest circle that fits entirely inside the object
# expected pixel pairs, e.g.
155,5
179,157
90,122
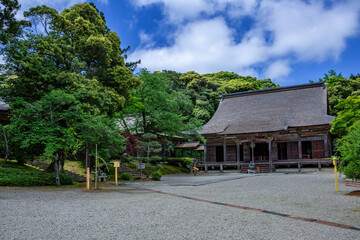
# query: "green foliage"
180,162
65,79
45,122
125,176
148,145
156,176
339,88
349,148
103,132
348,114
21,177
158,108
205,90
76,52
9,26
169,169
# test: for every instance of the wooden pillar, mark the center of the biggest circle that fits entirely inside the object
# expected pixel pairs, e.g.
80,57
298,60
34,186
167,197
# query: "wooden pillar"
326,146
238,155
300,153
246,152
252,145
205,158
224,150
270,155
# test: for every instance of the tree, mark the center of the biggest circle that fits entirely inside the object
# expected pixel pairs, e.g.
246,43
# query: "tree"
74,42
348,114
349,149
46,123
339,88
149,145
131,143
75,55
159,109
9,26
205,90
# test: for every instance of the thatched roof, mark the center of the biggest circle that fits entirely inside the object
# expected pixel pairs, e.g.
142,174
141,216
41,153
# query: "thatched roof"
270,110
200,148
187,145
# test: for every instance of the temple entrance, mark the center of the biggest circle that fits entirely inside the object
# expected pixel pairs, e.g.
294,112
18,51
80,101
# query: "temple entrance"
306,147
261,152
219,153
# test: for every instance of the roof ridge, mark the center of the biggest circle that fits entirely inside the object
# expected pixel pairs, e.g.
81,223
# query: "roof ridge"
272,90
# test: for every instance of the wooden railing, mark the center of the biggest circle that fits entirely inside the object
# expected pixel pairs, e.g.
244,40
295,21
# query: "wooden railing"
272,165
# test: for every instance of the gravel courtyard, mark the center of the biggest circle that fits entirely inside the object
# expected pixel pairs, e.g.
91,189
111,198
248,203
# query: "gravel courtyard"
133,212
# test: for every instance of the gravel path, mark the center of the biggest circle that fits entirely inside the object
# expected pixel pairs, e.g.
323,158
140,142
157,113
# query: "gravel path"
128,212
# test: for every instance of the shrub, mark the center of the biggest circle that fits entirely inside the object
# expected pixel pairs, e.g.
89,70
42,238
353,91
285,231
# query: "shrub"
180,162
156,175
21,177
349,148
125,176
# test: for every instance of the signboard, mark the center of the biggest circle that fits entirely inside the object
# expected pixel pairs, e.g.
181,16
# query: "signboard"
195,160
141,166
116,164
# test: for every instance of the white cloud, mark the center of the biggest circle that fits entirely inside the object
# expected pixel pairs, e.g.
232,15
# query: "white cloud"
308,30
176,11
206,46
146,40
278,69
282,30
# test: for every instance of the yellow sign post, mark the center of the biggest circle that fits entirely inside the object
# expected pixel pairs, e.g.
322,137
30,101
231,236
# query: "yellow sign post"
335,171
116,165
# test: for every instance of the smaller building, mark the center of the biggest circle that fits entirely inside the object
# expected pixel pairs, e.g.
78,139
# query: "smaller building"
272,127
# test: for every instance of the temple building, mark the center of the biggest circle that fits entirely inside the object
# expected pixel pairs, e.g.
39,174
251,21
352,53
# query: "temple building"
271,127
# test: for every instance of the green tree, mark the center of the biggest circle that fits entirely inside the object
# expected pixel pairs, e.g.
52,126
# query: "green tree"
349,113
9,26
46,123
72,54
205,90
349,149
159,109
339,88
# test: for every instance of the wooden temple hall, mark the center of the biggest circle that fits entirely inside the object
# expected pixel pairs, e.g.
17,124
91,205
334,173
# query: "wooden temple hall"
272,127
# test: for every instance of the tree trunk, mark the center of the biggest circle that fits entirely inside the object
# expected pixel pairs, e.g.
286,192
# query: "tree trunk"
57,172
96,168
51,167
61,161
6,147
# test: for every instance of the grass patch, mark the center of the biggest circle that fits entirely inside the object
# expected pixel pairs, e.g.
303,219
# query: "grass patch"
75,167
131,164
169,169
15,175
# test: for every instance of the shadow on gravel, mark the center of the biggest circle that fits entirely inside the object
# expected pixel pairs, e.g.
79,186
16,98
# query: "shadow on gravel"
354,193
118,190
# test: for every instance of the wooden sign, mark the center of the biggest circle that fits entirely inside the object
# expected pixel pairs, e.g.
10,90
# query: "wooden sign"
116,164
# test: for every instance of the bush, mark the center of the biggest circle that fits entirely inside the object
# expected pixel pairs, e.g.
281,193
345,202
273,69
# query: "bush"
156,175
349,148
180,162
125,176
21,177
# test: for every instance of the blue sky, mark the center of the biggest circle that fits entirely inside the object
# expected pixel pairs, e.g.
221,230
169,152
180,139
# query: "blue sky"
289,41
